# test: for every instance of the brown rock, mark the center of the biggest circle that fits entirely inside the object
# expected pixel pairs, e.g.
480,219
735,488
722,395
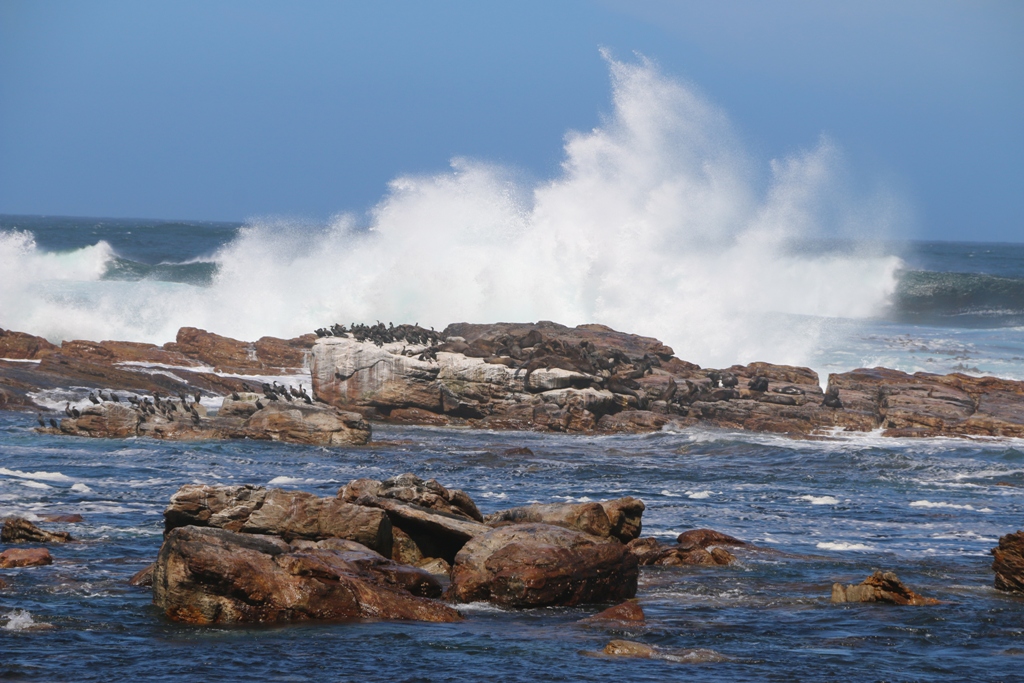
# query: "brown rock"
23,346
1008,562
206,576
647,551
3,584
536,565
722,556
143,577
66,519
289,514
25,557
19,530
626,612
629,648
284,353
675,557
297,514
123,352
223,353
435,533
632,421
403,548
702,538
590,518
624,515
310,424
410,489
435,566
879,587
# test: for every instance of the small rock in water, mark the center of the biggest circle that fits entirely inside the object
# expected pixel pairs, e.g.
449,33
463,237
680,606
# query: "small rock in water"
21,620
879,587
66,519
20,530
626,612
629,648
25,557
143,577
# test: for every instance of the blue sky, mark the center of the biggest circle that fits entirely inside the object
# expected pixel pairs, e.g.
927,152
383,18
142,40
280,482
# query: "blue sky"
227,110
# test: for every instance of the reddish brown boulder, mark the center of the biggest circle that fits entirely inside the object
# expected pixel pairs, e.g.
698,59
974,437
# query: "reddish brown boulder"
625,516
1008,562
207,576
223,353
590,518
647,551
879,587
703,538
537,565
435,533
628,612
284,353
19,530
284,513
23,346
25,557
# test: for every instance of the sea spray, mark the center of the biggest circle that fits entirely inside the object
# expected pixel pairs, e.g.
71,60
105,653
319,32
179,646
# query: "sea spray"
658,223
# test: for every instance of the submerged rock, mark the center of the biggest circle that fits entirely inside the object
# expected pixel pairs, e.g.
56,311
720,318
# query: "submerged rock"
20,530
537,565
207,576
25,557
1008,562
629,648
879,587
628,612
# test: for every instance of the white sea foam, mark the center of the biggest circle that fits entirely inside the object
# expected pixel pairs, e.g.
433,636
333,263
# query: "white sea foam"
21,620
81,488
842,545
699,495
949,506
820,500
294,481
42,476
659,205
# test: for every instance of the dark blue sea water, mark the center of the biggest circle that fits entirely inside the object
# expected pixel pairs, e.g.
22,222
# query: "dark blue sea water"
837,508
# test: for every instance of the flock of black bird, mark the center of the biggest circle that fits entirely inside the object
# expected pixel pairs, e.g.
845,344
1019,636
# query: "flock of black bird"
381,334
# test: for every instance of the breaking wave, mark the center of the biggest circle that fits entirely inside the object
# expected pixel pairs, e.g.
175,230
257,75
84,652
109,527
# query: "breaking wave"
658,223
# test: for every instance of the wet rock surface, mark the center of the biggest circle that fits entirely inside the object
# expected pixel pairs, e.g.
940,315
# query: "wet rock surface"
19,530
537,565
25,557
879,587
1008,562
211,576
628,612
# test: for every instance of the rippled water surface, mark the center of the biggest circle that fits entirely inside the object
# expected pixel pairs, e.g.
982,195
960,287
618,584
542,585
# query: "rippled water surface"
929,510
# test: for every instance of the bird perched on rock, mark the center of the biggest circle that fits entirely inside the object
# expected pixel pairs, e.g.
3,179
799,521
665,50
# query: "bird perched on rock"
53,423
197,396
67,408
235,396
42,422
92,397
114,398
259,406
758,384
76,413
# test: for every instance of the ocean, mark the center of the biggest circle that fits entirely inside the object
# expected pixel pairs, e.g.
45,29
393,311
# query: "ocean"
838,508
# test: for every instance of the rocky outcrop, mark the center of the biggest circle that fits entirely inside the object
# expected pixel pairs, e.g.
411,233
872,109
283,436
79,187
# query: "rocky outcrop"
633,649
541,376
620,518
295,422
879,587
537,565
25,557
210,576
408,488
20,530
21,346
436,534
1008,562
925,404
288,514
694,547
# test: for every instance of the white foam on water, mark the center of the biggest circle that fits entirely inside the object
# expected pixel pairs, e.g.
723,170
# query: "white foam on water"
43,476
842,545
699,495
292,481
21,620
34,484
819,500
81,488
492,494
660,204
949,506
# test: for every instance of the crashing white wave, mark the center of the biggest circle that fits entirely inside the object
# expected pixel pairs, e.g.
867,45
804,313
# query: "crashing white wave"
658,223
